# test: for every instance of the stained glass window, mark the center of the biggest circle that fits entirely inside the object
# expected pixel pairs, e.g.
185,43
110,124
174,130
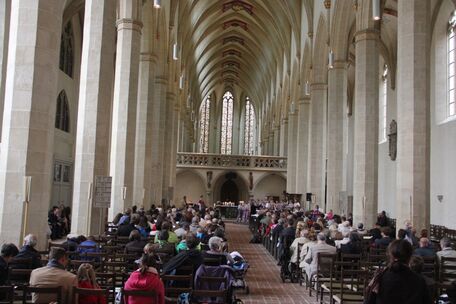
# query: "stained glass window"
249,131
451,65
66,50
227,124
204,125
62,113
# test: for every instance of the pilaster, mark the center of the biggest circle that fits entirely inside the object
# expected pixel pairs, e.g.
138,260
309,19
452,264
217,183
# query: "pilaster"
303,130
292,152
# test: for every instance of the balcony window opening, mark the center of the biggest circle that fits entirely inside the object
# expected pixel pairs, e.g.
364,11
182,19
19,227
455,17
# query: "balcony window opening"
204,125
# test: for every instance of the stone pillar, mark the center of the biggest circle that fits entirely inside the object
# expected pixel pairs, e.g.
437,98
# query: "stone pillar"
92,134
168,144
214,136
236,150
158,104
276,141
337,99
303,129
271,143
5,9
124,105
413,125
318,142
173,152
29,117
365,173
292,152
144,115
283,137
265,146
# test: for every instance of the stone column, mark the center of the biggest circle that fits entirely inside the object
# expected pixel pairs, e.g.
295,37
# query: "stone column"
303,129
292,152
92,134
413,125
276,140
337,99
29,117
158,104
5,9
173,152
271,143
265,146
283,137
365,173
143,145
168,145
318,142
124,105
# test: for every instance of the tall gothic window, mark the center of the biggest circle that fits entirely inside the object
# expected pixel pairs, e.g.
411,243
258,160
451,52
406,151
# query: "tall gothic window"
226,139
383,105
66,50
249,131
451,65
62,114
204,125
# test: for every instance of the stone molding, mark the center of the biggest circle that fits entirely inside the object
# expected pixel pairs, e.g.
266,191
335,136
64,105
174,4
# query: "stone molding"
129,24
161,80
339,64
148,57
319,86
367,34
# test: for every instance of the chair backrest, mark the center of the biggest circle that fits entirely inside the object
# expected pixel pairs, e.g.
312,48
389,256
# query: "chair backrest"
20,263
99,293
148,294
325,264
447,269
51,294
6,294
213,293
19,276
177,284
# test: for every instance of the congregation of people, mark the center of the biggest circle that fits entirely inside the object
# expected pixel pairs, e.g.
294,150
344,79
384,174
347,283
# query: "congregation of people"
151,244
302,235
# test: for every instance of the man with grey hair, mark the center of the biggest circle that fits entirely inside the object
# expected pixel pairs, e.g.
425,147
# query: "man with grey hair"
311,259
215,252
29,252
447,252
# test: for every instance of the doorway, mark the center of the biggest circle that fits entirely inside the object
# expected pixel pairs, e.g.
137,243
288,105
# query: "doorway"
229,192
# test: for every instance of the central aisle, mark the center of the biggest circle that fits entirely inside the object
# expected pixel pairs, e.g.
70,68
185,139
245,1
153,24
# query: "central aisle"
263,276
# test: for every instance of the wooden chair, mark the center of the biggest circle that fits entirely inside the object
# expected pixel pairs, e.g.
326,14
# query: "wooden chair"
52,294
19,276
324,267
99,293
430,267
175,285
151,294
213,296
23,263
352,291
7,294
447,271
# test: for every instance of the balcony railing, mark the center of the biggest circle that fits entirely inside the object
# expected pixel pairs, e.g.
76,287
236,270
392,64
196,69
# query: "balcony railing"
231,161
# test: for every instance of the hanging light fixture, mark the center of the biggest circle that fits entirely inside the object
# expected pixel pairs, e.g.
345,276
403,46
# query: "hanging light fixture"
307,88
181,82
157,3
175,50
330,59
376,14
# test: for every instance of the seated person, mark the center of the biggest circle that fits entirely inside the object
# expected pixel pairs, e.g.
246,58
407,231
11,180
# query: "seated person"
28,251
447,251
162,246
135,244
87,279
146,278
172,237
354,245
88,246
385,240
416,264
424,250
311,259
302,239
215,253
190,256
8,252
128,226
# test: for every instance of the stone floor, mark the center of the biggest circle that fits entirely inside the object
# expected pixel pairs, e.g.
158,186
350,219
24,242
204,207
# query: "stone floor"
263,276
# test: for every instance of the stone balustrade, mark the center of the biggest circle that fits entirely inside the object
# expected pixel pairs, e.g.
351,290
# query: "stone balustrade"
239,162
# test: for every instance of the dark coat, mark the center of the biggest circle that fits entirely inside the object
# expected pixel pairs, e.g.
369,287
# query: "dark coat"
192,256
28,252
124,230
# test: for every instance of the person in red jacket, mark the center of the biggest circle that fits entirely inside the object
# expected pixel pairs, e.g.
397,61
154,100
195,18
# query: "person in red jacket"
86,279
146,278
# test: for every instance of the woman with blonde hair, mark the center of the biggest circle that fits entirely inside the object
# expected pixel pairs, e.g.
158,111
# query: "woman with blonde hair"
87,279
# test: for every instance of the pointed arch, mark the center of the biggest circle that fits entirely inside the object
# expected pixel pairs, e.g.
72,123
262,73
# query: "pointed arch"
62,114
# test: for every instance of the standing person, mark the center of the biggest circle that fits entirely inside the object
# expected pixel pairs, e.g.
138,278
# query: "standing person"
146,278
398,283
202,206
53,275
86,279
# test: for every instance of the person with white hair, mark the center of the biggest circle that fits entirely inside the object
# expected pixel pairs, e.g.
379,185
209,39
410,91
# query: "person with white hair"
216,252
28,251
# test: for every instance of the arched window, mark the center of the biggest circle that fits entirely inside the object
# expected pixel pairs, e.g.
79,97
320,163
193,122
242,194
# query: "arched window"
62,114
451,65
66,50
227,123
383,105
249,131
204,119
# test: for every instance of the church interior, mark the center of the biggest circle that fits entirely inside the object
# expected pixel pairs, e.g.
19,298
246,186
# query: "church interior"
253,113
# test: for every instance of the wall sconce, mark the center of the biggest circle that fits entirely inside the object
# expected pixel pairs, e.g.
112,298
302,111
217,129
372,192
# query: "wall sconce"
440,197
330,59
175,52
376,9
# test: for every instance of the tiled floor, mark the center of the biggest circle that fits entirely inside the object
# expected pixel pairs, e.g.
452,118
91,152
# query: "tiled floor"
263,276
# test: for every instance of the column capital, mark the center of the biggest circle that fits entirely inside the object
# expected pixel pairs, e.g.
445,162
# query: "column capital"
161,80
129,24
304,100
367,34
339,64
148,57
318,86
170,95
285,120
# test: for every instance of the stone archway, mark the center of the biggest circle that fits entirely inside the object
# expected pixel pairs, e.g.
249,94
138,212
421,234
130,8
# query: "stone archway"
229,191
231,186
